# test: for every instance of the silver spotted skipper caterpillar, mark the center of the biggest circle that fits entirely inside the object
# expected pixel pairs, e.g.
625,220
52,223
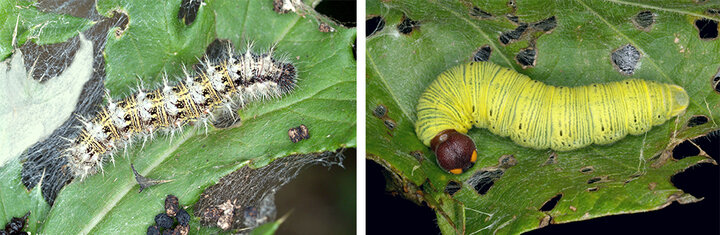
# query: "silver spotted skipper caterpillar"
534,114
224,80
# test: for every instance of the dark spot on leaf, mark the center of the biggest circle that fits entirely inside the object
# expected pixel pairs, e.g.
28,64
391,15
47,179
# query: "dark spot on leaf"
552,159
513,18
511,36
587,169
407,25
419,156
633,177
716,82
482,54
546,25
550,204
390,124
374,25
526,57
712,11
652,186
598,179
483,180
380,111
512,4
479,13
593,189
281,7
625,59
188,11
16,225
697,120
452,187
507,161
325,28
299,133
707,28
172,205
644,20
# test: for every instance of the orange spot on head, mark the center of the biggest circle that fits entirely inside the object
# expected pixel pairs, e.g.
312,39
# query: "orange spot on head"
473,158
456,171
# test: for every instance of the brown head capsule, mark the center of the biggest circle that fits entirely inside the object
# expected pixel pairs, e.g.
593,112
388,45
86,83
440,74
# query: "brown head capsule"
455,152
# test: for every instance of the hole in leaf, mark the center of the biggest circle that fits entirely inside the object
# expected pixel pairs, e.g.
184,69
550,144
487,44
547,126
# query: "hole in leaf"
593,189
479,13
380,111
341,11
707,28
452,187
121,20
546,25
697,120
625,59
696,180
644,20
483,180
407,25
587,169
393,214
511,36
550,204
526,57
188,11
482,54
685,149
374,25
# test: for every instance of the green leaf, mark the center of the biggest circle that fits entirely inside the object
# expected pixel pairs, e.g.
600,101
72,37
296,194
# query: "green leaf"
576,52
15,200
269,228
156,42
20,21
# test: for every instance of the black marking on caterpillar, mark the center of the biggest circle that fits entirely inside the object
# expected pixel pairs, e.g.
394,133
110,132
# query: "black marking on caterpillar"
223,81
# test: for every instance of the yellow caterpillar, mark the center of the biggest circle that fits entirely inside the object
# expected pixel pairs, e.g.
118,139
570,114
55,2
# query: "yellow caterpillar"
534,114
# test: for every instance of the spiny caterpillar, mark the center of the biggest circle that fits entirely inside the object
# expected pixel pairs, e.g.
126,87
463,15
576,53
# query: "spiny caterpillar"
534,114
223,79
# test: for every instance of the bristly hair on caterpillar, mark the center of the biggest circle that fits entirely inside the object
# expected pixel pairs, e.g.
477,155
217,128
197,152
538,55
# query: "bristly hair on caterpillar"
223,81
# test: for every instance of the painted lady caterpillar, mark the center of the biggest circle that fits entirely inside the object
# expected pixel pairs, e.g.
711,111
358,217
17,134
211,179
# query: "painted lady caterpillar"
222,80
534,114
